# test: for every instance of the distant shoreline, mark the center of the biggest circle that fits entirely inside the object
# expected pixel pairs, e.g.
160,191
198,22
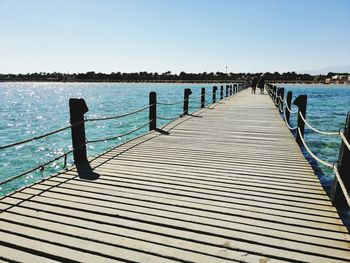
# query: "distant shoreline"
182,77
173,81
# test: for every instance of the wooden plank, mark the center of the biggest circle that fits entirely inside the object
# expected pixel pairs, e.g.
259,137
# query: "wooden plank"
10,254
189,229
195,211
235,212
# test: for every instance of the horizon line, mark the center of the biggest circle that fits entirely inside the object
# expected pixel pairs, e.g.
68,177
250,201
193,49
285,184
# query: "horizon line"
171,73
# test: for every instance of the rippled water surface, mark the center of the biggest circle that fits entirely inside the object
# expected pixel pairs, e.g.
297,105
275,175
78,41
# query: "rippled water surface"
31,109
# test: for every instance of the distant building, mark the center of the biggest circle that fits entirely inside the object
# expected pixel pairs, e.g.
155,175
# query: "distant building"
338,79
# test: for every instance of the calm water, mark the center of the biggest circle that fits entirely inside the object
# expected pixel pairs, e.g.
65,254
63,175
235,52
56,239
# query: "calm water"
30,109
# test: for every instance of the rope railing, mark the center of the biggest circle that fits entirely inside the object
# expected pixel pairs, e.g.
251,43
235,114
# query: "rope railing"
171,103
171,118
313,128
329,165
64,155
306,122
285,103
42,166
120,135
35,138
118,116
167,118
300,102
285,120
316,130
81,147
31,170
70,126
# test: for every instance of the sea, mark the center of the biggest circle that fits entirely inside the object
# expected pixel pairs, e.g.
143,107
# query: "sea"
29,109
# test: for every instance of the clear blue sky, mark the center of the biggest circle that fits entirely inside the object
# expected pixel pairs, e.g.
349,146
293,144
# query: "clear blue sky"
175,35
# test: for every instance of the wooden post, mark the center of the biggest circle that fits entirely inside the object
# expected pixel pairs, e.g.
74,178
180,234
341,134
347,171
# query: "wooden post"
301,102
214,93
152,111
289,104
203,98
187,93
234,91
343,166
77,109
227,87
222,93
231,90
282,99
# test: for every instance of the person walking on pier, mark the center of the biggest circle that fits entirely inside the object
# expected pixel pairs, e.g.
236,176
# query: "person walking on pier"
254,83
261,84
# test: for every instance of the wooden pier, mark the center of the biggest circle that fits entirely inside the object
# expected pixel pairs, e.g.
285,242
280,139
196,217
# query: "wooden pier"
226,184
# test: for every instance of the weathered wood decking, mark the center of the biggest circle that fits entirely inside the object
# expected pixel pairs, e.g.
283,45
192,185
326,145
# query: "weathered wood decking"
227,185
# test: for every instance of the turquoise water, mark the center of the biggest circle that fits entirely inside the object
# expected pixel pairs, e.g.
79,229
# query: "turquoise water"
31,109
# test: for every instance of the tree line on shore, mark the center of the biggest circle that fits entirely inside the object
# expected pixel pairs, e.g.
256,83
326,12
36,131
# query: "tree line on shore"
167,76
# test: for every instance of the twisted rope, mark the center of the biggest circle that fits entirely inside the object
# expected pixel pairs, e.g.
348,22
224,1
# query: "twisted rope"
170,118
316,130
38,137
327,164
120,135
293,112
30,170
278,103
170,104
118,116
167,118
285,120
70,126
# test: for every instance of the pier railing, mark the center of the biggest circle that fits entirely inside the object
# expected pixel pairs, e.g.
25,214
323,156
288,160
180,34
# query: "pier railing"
341,167
78,108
